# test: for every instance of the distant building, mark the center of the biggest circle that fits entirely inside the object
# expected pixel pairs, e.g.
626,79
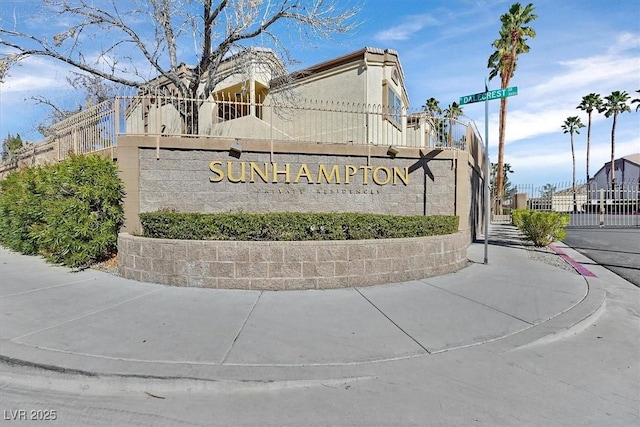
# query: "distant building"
561,200
625,197
627,174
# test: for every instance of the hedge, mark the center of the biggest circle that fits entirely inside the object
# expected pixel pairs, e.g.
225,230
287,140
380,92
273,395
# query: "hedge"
69,212
292,226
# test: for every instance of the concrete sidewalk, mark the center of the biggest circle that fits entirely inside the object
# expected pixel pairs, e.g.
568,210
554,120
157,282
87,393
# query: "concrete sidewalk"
96,323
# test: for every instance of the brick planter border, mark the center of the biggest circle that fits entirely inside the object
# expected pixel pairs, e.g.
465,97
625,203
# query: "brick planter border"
289,265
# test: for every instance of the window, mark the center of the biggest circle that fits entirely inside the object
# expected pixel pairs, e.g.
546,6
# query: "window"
229,110
394,106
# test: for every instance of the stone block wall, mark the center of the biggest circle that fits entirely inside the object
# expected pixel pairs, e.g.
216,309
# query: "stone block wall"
180,180
289,265
193,175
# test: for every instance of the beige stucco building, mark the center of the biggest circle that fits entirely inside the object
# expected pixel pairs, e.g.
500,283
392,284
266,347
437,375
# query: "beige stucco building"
358,98
335,137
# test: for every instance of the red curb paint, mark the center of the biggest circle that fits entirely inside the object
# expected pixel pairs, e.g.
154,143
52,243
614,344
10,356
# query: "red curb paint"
582,270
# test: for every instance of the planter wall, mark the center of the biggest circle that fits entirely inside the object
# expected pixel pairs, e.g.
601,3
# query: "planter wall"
289,265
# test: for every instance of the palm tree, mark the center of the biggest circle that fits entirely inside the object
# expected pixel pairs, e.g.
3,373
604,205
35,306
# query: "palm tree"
452,112
589,103
548,190
432,107
571,126
512,42
507,190
636,101
616,104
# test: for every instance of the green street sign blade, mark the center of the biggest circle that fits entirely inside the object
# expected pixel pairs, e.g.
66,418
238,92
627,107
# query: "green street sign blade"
490,95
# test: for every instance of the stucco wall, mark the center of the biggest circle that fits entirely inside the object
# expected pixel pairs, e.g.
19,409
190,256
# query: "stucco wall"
42,153
32,155
289,265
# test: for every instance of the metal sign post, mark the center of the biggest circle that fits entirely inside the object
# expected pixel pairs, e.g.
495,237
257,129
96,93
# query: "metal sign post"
486,96
487,199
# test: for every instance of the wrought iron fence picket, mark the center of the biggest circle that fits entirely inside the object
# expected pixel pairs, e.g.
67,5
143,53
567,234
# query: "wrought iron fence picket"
594,206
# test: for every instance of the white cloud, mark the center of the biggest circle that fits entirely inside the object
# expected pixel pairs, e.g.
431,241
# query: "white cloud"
34,75
585,73
544,103
522,124
407,29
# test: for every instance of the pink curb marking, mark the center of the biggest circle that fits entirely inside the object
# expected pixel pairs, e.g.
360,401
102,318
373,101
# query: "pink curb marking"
579,267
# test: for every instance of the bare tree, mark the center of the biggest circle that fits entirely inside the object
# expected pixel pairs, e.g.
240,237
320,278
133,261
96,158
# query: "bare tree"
144,44
94,90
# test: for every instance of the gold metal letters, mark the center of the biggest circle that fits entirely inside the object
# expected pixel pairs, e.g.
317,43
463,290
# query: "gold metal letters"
333,174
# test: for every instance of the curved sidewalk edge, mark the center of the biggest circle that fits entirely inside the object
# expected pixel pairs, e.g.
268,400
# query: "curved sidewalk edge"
574,320
568,323
89,367
210,374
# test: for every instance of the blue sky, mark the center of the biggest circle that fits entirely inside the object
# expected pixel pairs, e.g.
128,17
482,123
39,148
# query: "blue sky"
582,46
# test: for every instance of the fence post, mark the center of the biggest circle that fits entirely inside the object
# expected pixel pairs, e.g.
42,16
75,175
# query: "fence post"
75,141
271,112
601,203
116,113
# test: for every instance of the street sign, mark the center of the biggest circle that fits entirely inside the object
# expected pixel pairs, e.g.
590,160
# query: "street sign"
488,96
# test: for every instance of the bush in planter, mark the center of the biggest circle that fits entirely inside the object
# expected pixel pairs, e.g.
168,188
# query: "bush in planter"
292,226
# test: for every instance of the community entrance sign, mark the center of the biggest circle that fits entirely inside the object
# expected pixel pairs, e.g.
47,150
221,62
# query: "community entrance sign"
489,95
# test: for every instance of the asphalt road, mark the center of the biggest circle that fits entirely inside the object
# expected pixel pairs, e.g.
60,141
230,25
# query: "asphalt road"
617,249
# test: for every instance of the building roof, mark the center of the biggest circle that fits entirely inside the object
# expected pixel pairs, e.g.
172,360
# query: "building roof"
268,56
634,159
580,189
370,54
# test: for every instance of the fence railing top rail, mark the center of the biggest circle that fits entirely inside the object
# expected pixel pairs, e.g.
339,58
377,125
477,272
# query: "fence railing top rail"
121,114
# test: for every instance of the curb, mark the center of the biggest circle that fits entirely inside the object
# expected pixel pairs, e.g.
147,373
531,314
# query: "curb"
85,366
571,321
581,269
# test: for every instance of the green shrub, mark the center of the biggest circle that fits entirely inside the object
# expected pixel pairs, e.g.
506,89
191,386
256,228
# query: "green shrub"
70,212
292,226
543,228
516,217
21,214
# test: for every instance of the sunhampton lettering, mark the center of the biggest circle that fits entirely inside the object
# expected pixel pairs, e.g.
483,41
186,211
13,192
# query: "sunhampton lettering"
336,174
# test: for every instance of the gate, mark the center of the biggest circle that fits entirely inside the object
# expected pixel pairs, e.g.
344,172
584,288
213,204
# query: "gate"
590,205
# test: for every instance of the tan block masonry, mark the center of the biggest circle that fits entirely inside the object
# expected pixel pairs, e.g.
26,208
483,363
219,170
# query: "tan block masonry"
149,167
289,265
